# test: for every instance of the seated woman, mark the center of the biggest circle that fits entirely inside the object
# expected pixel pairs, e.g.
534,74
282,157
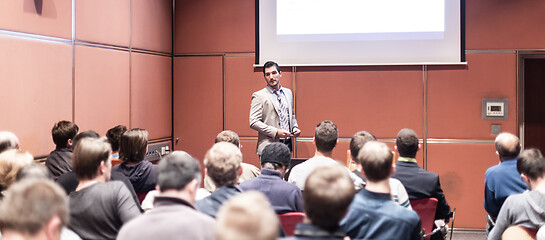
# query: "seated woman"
133,146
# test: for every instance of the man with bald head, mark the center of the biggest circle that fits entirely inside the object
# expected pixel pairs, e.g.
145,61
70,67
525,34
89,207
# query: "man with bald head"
8,140
502,180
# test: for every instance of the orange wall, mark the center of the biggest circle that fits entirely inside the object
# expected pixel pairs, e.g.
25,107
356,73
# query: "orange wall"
441,103
114,66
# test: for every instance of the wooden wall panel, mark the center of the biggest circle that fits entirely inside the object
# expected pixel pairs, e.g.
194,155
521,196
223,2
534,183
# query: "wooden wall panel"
151,25
36,90
505,24
210,26
103,21
102,88
45,17
198,94
151,96
381,100
455,96
248,152
461,169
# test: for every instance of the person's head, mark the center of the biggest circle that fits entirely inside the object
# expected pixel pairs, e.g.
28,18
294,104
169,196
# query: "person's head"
325,136
222,163
358,140
531,165
247,216
407,143
34,207
133,145
92,159
507,146
272,74
114,134
328,193
33,171
376,160
82,135
8,140
228,136
179,171
275,156
63,132
11,161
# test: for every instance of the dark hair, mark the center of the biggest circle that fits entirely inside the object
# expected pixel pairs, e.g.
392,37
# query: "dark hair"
88,155
33,171
325,136
376,160
270,64
114,134
407,143
176,170
82,135
358,140
228,136
328,193
133,145
62,132
531,163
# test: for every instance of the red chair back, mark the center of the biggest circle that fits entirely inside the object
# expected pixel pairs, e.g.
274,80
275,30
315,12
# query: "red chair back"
425,208
289,221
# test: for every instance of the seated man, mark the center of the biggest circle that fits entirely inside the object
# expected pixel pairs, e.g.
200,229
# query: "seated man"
283,196
222,163
525,209
8,141
59,160
98,208
372,214
33,209
328,193
173,215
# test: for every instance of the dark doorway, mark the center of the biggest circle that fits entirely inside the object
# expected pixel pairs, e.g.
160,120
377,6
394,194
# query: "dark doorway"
532,101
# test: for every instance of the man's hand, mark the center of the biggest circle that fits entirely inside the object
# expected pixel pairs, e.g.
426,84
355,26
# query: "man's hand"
296,132
283,134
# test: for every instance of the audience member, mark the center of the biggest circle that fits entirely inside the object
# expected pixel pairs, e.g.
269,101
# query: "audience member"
328,193
173,216
8,141
325,139
133,146
502,180
372,214
247,216
399,194
418,182
59,160
114,135
249,171
525,209
33,171
98,208
33,209
222,163
11,161
283,196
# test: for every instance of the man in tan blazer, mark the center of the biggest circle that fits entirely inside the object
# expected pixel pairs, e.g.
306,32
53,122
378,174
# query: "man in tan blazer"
271,111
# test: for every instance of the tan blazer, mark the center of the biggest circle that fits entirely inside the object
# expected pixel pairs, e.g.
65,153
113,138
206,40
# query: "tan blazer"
264,116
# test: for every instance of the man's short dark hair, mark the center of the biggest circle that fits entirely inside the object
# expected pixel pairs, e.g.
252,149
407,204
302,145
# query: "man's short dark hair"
63,131
328,193
114,134
407,143
228,136
507,145
82,135
376,160
325,136
270,64
358,140
87,156
176,170
133,145
531,163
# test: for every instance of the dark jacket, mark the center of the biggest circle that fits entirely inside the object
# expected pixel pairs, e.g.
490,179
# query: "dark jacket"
305,231
59,161
211,204
143,175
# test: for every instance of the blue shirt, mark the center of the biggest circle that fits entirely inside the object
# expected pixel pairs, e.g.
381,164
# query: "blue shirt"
374,215
500,182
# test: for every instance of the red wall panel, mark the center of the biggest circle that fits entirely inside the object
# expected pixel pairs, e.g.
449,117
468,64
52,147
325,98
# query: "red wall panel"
103,21
36,90
455,96
151,25
102,89
151,96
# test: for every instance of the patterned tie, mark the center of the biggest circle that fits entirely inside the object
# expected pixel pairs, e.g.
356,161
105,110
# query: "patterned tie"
284,112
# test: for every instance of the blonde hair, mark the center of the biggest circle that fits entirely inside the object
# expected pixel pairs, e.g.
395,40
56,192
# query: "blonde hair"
11,162
222,163
247,216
